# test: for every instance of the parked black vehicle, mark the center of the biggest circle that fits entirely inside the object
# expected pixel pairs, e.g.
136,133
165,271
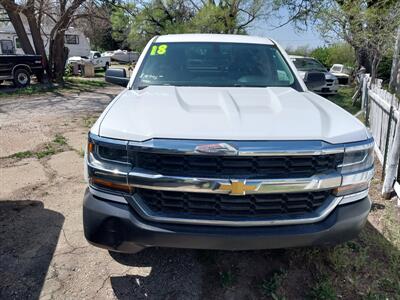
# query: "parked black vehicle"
20,68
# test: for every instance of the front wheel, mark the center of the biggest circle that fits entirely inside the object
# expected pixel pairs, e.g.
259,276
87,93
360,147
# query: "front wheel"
22,78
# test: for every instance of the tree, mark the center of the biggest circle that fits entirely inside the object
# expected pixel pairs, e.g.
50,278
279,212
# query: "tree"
15,19
339,53
95,22
137,22
300,50
367,25
61,14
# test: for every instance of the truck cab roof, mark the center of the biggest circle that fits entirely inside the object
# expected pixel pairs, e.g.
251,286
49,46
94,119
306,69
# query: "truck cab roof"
220,38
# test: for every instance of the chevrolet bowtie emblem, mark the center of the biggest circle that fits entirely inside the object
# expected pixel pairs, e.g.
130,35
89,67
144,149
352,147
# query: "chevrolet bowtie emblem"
237,188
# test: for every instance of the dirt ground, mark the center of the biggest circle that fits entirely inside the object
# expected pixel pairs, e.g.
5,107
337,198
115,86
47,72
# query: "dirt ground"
43,253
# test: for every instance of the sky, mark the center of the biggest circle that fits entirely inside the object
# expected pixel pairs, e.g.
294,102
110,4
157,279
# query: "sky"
286,36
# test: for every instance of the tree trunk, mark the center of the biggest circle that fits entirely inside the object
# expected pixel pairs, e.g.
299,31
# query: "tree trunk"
37,40
19,29
394,84
374,66
60,55
363,59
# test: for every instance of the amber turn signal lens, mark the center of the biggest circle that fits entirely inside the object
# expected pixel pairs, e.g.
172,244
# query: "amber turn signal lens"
90,147
350,189
110,185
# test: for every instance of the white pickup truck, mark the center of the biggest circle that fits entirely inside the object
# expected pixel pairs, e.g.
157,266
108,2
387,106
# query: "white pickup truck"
217,143
98,61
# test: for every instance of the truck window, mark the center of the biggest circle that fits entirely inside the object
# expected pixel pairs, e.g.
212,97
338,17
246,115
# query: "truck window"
214,64
7,47
71,39
17,43
308,64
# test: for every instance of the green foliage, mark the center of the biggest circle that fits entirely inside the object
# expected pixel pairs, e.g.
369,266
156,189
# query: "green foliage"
60,139
323,290
136,25
300,50
322,54
368,26
121,22
22,155
343,99
385,67
269,286
340,53
210,19
227,278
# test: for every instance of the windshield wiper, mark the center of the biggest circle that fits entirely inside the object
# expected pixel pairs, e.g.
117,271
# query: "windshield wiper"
249,85
142,87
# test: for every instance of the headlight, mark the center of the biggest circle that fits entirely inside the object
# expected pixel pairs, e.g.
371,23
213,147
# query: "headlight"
107,162
358,158
357,168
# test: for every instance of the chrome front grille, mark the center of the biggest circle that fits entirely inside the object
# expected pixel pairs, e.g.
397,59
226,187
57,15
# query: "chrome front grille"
227,183
256,206
214,166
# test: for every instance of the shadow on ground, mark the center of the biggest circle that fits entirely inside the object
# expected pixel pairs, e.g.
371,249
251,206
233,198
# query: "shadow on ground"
169,274
29,235
365,268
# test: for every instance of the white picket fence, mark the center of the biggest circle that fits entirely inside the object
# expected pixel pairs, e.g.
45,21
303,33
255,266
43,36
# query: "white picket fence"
382,112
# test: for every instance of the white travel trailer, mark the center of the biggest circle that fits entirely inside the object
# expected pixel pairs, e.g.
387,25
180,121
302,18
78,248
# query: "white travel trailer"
75,40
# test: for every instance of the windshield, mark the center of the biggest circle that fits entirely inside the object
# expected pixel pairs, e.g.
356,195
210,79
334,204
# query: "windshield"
308,64
336,69
214,64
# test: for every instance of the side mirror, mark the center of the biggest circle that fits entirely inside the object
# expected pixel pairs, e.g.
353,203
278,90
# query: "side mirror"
314,80
117,76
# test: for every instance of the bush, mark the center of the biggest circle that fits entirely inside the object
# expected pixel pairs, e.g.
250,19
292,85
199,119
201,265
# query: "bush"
341,53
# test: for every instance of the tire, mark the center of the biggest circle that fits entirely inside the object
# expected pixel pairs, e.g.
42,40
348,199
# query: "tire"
22,78
106,66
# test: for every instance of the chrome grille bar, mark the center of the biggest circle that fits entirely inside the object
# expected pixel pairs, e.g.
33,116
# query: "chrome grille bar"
149,180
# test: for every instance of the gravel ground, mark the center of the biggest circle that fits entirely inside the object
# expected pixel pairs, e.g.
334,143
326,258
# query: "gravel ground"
43,253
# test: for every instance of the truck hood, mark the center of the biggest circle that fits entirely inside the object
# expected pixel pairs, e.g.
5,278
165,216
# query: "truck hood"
238,113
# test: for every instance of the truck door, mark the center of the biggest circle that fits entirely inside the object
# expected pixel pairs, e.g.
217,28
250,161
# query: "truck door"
96,59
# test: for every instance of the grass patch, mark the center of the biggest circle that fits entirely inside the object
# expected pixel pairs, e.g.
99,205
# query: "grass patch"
57,145
227,278
269,286
343,99
323,291
48,150
99,73
22,155
89,121
75,82
60,139
30,90
70,84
